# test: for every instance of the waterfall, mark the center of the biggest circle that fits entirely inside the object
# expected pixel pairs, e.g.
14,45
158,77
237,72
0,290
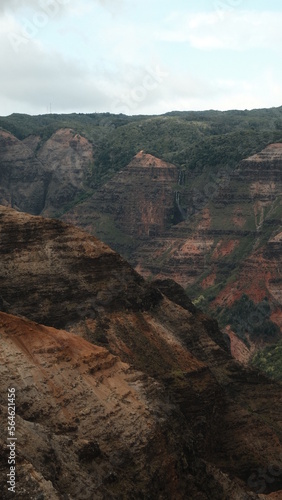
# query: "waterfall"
181,178
177,202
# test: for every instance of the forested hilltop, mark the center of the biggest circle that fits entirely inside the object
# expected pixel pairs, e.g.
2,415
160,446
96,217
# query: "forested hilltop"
189,140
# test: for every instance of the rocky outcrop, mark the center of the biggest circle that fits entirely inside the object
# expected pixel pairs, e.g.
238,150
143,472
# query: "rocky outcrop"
68,156
43,177
232,245
239,349
138,395
267,164
137,204
140,213
257,199
244,209
69,271
259,276
218,240
87,424
23,179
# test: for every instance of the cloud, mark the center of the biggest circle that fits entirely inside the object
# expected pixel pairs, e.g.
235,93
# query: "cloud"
15,5
83,60
114,6
243,93
237,30
35,77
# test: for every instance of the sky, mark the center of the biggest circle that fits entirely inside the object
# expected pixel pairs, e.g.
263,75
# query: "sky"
139,57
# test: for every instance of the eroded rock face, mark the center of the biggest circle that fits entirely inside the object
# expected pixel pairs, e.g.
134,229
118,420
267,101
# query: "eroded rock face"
68,155
86,422
89,273
235,231
232,245
245,206
23,178
137,204
138,395
43,177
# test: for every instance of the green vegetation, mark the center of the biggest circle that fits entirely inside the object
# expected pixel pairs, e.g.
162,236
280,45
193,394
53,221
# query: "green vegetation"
93,126
247,317
196,142
269,360
206,147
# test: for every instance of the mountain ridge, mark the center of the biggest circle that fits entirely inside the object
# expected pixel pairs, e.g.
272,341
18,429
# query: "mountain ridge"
214,424
205,222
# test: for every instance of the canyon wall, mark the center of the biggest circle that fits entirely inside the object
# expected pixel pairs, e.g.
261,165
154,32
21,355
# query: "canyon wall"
124,388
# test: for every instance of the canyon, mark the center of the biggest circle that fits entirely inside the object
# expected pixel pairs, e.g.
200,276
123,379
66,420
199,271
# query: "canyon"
124,389
225,243
139,278
215,232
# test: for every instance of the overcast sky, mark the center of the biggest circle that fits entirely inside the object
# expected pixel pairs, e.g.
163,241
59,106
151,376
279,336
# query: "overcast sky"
133,56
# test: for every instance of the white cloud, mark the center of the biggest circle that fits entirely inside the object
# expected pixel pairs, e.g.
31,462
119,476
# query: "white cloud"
238,30
83,60
34,78
12,6
264,92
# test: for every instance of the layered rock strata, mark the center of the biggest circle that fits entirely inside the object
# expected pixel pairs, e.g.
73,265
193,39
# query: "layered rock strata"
138,395
43,176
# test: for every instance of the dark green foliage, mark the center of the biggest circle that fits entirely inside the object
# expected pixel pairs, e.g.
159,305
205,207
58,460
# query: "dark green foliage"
196,142
269,360
247,317
93,126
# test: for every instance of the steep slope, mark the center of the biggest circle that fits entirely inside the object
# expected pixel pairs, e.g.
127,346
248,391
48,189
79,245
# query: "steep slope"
23,179
87,424
227,245
214,426
223,221
197,218
241,213
68,156
209,231
137,204
44,176
232,245
260,189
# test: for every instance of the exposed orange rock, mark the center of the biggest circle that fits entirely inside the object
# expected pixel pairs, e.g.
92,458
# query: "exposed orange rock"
239,349
209,281
147,160
83,408
224,248
139,201
270,153
277,495
157,404
259,277
218,230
